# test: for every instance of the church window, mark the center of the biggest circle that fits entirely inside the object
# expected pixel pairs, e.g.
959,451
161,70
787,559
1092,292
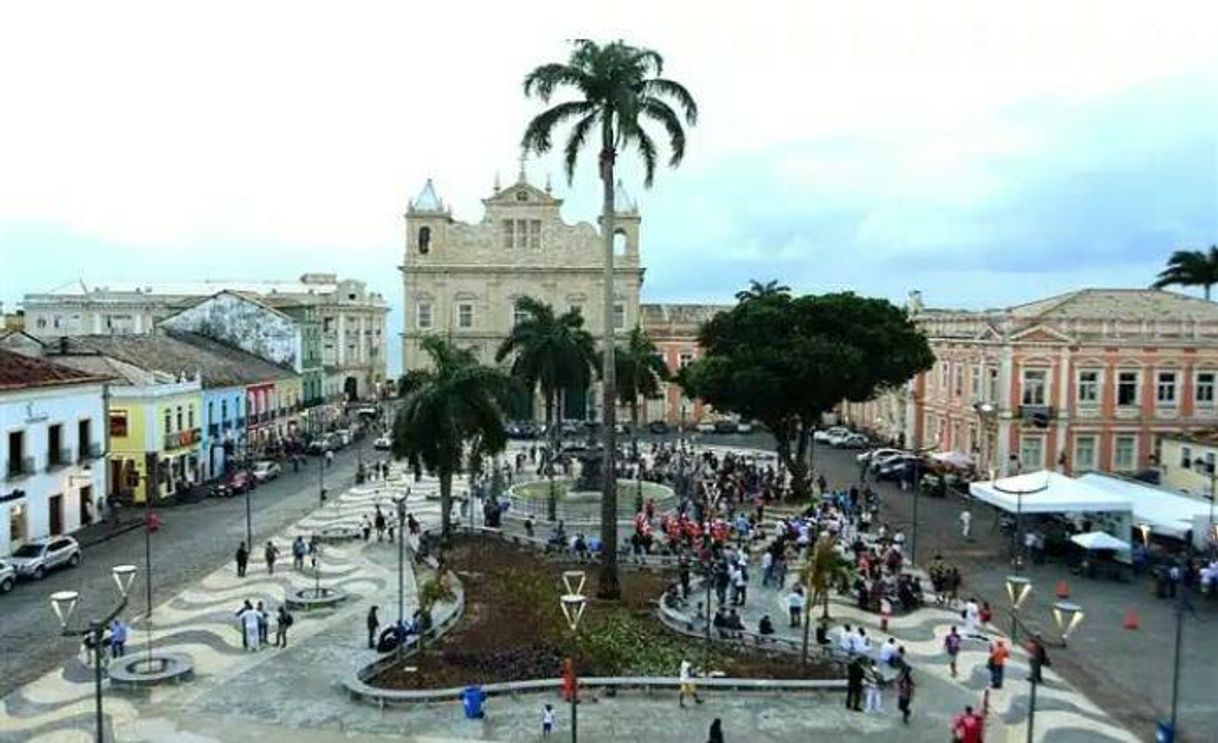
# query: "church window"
424,240
522,195
535,234
465,315
508,224
423,315
619,317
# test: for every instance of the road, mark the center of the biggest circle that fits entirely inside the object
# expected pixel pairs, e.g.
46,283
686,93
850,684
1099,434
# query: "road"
193,540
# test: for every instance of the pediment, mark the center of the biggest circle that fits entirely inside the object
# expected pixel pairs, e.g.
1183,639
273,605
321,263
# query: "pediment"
988,333
522,194
1041,334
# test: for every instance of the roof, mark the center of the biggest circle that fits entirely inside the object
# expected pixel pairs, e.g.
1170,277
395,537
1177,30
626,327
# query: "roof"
1046,492
1165,512
309,284
427,200
19,372
623,202
1143,304
177,354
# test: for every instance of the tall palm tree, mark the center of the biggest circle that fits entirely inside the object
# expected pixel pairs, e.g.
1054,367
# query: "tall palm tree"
619,87
825,568
454,404
553,352
1190,268
758,290
640,369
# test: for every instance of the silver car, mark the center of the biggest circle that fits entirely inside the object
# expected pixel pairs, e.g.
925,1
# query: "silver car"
8,577
34,559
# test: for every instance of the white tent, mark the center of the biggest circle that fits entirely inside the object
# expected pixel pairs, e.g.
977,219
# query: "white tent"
953,458
1098,540
1046,492
1165,512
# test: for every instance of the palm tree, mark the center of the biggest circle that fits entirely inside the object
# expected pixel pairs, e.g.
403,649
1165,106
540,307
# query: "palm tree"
640,370
1190,268
457,402
619,87
825,568
758,290
553,352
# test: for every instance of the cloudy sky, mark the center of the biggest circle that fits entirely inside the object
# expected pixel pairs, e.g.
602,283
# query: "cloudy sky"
984,153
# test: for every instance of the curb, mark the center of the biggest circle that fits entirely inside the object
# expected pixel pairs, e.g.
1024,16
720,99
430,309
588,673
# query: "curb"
109,534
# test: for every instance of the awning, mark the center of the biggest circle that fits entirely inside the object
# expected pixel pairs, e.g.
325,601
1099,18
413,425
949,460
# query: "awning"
1165,512
1098,540
1046,492
954,458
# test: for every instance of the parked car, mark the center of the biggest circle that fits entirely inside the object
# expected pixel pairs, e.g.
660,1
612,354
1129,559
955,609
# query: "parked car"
870,455
897,467
239,481
319,445
659,428
826,435
852,441
34,559
744,427
726,426
266,470
705,427
342,437
8,577
623,429
383,443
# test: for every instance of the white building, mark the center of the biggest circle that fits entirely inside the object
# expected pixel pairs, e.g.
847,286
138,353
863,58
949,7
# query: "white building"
352,318
52,447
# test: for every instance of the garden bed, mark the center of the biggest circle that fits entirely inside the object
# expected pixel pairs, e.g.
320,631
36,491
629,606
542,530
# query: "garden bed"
513,629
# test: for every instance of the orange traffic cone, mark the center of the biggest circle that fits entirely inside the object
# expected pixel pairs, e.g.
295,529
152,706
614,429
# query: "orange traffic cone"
1131,620
1063,590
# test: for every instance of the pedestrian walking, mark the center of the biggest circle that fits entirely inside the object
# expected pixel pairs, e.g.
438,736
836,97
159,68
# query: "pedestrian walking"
547,720
715,734
997,663
854,684
298,552
966,525
1038,658
264,625
247,618
379,523
373,624
951,644
270,554
874,698
967,727
329,459
366,526
687,688
283,620
243,559
905,690
118,638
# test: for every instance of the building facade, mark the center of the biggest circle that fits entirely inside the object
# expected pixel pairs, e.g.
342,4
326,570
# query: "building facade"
351,319
674,330
1089,380
52,444
461,280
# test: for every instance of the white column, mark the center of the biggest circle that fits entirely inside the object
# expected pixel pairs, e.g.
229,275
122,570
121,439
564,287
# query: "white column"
1063,411
341,346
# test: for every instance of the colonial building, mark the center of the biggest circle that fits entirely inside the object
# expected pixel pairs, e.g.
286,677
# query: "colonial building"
350,319
674,330
1088,380
461,279
52,444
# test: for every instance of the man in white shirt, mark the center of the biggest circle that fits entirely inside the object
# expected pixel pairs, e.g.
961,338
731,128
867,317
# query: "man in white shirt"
966,525
845,641
888,651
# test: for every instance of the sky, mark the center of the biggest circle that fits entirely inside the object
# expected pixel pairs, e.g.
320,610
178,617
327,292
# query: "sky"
984,153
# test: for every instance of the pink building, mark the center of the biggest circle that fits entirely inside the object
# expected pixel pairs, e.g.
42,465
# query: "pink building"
674,330
1087,380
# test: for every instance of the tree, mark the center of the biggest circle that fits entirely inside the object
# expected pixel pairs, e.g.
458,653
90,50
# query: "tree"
787,360
826,568
619,88
640,370
456,403
552,352
1190,268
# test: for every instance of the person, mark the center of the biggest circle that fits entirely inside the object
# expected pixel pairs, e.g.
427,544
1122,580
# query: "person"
547,721
378,521
997,663
283,620
765,627
118,638
329,459
795,605
871,687
264,625
967,726
888,651
846,641
715,734
298,552
687,688
248,619
966,525
365,525
373,623
854,684
243,558
951,644
905,689
971,614
270,554
985,613
1038,658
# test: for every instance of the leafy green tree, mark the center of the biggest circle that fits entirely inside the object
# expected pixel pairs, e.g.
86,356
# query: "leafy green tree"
640,370
553,352
619,88
787,360
457,403
825,568
1190,268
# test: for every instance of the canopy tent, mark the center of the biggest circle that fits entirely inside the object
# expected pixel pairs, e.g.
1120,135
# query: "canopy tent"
953,458
1098,540
1166,513
1046,492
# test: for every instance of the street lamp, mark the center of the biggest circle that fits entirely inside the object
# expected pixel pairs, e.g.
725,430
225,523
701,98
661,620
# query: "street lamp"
400,502
64,604
1066,616
1019,560
1018,589
917,488
573,603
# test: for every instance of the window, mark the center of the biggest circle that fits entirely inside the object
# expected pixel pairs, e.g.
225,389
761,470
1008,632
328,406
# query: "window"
1088,387
423,315
1124,455
535,234
1084,453
84,436
577,309
118,423
16,452
465,315
55,444
179,417
992,384
1186,457
508,226
619,316
1204,394
959,368
1127,388
190,416
424,240
168,422
223,410
42,322
974,386
1034,386
1165,388
1032,453
684,359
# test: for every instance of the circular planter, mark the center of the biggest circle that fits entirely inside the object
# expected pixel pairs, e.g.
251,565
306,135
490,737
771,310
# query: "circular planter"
305,599
339,534
139,670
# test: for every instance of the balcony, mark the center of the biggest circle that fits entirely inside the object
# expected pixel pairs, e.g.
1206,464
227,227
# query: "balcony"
17,468
181,439
1038,416
89,451
59,458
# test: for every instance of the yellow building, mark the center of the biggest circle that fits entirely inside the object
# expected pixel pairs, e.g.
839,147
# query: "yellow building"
1187,462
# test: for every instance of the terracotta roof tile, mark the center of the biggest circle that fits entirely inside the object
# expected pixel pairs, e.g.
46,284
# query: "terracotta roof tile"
22,372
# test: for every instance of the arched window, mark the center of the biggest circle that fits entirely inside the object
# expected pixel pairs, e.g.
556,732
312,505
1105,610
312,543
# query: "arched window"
424,239
619,243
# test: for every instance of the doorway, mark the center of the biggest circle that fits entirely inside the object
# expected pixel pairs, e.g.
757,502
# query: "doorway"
17,530
55,506
351,389
86,505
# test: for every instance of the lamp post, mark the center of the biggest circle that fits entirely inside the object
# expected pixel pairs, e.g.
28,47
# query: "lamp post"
400,502
64,604
573,603
1018,561
917,489
1066,616
1018,588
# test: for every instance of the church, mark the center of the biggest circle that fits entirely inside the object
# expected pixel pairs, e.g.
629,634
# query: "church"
462,280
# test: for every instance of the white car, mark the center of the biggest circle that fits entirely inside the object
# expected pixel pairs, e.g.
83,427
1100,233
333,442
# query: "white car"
889,455
871,454
827,435
34,559
743,427
852,441
383,443
705,427
8,577
266,470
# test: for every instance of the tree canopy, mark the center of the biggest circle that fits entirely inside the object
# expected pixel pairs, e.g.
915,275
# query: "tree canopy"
640,370
787,360
1191,268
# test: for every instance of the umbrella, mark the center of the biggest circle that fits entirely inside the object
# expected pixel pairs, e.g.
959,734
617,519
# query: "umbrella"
1098,540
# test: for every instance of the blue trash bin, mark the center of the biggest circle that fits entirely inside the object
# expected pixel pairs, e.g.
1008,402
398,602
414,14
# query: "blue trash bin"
1164,732
471,700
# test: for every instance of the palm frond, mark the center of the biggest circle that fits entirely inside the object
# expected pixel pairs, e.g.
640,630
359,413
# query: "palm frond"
662,112
575,143
537,136
657,87
543,80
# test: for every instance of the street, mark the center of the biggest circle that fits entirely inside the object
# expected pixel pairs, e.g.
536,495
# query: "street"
192,541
